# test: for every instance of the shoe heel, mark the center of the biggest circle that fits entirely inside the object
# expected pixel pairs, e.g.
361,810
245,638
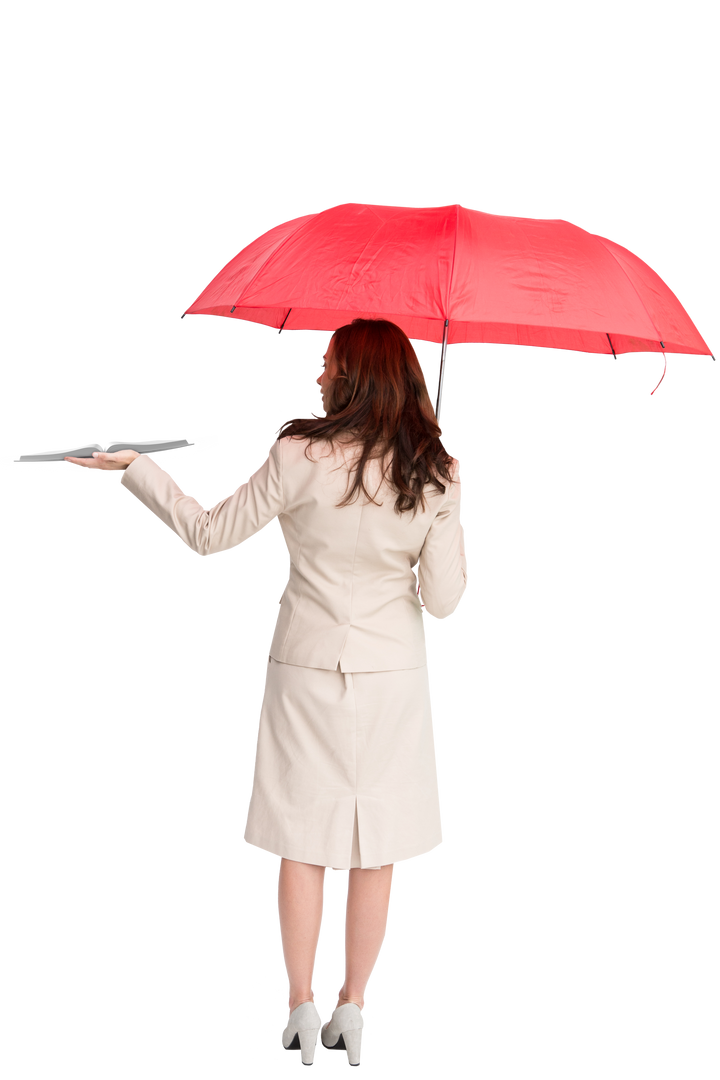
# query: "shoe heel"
352,1040
308,1041
344,1031
302,1031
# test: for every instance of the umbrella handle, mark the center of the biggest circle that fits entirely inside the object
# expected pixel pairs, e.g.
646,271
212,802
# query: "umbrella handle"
661,379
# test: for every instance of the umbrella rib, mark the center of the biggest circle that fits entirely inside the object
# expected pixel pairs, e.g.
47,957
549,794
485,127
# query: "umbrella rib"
632,283
267,262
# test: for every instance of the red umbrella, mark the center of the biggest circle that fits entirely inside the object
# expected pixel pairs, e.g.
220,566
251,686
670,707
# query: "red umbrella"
449,274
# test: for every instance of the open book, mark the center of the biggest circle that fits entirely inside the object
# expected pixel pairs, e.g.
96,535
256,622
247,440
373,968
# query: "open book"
113,448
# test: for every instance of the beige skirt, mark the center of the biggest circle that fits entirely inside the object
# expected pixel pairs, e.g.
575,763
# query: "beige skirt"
345,767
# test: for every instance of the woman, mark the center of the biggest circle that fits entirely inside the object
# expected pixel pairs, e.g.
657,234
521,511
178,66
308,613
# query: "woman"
345,766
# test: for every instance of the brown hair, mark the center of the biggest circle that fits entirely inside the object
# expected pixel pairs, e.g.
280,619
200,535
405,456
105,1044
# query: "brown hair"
379,396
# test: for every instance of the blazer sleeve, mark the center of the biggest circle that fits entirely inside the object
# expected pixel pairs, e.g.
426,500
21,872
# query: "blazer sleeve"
229,523
442,567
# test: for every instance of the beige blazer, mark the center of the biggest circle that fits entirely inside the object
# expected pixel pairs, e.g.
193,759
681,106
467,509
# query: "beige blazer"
351,598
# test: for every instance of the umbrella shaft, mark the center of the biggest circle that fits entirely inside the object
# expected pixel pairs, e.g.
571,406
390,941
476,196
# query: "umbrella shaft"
442,370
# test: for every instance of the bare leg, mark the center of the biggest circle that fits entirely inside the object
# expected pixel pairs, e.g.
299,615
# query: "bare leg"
365,921
300,901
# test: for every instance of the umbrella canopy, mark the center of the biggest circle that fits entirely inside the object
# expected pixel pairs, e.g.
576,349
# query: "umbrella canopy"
453,275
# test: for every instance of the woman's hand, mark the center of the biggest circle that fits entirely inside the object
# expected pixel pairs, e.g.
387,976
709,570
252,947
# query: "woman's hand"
121,460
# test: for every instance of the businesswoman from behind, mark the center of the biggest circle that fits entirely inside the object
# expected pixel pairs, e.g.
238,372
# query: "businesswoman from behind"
345,764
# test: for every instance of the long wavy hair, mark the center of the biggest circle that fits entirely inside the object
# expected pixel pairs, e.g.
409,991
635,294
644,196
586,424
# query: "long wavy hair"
379,397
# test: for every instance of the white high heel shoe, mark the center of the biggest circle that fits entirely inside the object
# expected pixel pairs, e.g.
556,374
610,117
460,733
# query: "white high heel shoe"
344,1031
302,1031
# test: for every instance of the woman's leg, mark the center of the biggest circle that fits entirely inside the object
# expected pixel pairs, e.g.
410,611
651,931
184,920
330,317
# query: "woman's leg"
365,921
300,901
